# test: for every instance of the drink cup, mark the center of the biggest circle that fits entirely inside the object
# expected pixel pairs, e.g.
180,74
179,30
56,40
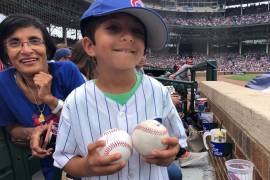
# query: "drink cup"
207,119
201,105
239,169
219,147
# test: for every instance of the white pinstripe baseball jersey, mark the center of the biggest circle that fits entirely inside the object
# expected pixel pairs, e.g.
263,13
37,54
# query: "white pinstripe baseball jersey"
87,113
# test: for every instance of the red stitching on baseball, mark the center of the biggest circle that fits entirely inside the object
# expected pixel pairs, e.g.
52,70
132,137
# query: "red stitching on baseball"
152,131
110,131
113,145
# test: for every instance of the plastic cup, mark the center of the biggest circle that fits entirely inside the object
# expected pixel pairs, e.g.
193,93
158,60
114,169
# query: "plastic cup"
239,169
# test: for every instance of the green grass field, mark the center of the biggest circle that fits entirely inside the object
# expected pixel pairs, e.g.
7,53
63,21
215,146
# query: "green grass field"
244,77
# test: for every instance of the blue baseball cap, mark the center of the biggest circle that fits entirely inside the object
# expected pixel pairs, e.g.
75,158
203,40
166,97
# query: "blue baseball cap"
155,27
61,52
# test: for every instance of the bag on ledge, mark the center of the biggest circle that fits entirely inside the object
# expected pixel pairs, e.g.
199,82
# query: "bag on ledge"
195,140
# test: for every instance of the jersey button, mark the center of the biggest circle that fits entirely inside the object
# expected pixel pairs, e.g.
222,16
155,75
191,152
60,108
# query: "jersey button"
131,176
122,114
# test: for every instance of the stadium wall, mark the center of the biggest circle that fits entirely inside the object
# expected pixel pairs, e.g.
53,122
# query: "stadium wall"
245,114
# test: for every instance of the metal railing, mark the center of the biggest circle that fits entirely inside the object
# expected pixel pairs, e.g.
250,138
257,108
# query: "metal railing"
211,70
183,87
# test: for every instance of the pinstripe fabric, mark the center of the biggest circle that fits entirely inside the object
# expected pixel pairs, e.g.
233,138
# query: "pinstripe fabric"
87,113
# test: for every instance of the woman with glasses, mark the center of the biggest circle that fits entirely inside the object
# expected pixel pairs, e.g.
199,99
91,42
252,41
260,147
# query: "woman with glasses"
32,90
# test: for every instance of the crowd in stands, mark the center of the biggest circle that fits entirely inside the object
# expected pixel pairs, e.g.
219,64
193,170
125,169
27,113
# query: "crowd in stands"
224,21
247,62
228,62
232,16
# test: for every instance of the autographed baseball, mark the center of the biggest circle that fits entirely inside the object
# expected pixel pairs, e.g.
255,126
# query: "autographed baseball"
117,141
148,136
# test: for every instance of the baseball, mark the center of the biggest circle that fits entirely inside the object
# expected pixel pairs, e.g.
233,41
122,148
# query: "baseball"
117,141
148,136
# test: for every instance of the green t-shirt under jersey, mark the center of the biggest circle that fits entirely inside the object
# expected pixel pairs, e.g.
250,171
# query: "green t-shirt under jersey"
124,97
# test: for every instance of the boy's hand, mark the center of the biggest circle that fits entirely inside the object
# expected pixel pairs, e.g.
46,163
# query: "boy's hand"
164,157
97,165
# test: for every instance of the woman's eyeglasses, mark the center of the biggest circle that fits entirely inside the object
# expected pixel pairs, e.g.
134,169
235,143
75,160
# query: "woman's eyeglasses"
17,44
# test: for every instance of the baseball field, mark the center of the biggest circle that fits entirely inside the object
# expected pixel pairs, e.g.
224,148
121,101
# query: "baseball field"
238,79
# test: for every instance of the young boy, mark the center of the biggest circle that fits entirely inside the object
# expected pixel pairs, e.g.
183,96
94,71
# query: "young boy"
116,33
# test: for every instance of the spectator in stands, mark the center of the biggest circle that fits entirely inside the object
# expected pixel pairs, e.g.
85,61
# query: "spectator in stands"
61,45
227,62
188,158
62,54
85,63
32,90
183,72
176,67
117,36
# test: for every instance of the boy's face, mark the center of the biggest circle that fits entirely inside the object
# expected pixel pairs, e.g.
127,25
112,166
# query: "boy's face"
119,43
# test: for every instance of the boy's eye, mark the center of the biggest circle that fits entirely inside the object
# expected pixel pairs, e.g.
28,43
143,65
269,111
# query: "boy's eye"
136,31
113,28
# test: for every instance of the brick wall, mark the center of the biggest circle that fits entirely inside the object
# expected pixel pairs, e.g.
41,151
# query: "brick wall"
246,144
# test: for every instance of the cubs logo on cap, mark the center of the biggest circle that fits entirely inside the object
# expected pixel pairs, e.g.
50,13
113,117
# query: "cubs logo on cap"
137,3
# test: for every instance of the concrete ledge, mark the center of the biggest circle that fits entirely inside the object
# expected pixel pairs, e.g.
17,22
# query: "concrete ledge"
248,108
245,113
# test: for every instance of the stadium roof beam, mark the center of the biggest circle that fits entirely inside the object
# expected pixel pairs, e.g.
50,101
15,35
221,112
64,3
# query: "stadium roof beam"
238,2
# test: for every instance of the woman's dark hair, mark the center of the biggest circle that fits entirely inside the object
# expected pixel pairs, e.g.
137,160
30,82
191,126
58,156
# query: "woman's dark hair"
85,63
16,21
